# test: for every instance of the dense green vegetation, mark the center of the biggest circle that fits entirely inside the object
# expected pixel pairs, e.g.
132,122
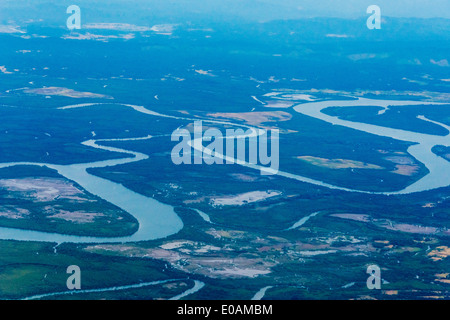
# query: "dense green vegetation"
161,73
399,117
60,215
29,268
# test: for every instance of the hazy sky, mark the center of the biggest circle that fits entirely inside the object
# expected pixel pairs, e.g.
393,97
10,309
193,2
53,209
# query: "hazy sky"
253,10
397,8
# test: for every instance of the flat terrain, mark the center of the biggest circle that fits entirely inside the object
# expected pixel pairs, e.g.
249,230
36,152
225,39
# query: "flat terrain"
117,91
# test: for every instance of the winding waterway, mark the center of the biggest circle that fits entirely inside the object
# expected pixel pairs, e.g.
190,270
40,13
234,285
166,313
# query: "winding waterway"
198,285
439,168
157,220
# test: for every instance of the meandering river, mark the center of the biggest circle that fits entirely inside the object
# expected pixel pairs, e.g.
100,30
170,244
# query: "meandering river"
439,168
198,285
157,220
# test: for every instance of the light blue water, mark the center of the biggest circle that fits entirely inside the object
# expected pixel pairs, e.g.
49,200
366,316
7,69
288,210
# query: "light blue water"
158,220
439,175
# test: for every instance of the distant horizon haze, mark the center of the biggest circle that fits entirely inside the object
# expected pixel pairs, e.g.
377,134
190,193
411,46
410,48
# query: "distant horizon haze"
179,11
